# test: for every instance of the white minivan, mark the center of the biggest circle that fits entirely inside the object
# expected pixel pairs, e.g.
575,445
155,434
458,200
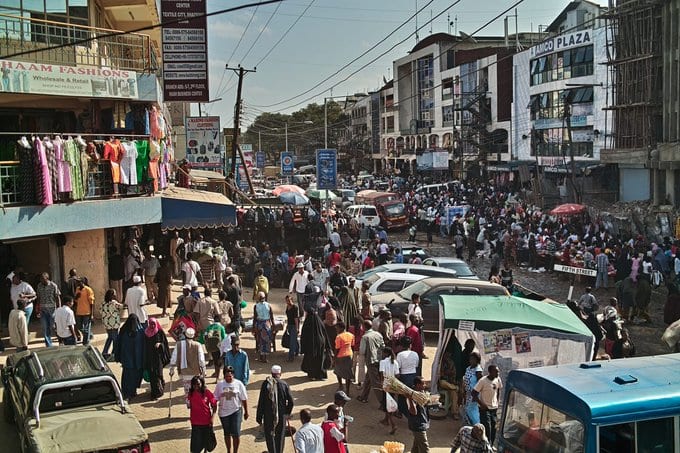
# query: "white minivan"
364,213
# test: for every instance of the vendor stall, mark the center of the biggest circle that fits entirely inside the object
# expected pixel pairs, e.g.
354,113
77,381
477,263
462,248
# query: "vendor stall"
511,332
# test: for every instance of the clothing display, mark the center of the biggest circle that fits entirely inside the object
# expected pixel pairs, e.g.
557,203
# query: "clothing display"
128,165
113,152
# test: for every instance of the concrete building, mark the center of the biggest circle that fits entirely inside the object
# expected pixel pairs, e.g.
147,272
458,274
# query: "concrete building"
560,120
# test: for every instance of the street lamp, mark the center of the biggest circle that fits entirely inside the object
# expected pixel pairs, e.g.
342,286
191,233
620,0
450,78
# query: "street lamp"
295,122
200,113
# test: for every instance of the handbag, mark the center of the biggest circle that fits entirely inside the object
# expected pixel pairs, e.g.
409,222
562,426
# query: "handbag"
285,340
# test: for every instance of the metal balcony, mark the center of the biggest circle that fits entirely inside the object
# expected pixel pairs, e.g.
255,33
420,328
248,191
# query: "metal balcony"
106,48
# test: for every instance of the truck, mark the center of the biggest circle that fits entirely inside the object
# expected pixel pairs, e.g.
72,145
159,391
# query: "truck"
65,400
391,208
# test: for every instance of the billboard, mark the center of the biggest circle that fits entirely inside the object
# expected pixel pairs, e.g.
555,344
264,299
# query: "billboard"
204,149
287,164
185,51
260,159
326,169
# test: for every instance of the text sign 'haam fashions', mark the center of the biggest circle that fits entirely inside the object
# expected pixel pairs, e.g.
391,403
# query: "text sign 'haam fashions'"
185,51
40,78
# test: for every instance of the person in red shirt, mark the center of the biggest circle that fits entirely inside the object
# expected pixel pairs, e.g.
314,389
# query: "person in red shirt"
413,332
334,258
202,408
368,263
332,436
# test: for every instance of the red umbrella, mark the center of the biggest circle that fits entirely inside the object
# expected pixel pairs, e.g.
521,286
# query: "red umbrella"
568,209
278,190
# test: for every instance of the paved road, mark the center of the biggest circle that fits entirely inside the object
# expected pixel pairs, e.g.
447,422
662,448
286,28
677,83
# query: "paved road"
172,434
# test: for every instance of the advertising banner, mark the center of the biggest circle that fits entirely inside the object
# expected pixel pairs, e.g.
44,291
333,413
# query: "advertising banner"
453,211
287,164
41,78
260,159
185,51
203,142
326,169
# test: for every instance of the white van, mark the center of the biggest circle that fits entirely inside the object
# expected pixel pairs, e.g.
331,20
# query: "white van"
432,189
364,213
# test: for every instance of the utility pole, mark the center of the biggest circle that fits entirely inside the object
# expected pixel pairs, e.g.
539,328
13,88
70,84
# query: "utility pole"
240,71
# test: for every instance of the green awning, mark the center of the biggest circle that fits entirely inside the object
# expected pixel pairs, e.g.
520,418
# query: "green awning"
491,313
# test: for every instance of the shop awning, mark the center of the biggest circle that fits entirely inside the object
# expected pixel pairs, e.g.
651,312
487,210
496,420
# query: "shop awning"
187,208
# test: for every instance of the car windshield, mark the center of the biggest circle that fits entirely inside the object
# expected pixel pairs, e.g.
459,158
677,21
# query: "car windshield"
394,209
416,288
369,212
367,273
462,269
372,279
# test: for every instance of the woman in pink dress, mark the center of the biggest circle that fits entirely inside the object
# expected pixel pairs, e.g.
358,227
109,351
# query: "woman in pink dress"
635,268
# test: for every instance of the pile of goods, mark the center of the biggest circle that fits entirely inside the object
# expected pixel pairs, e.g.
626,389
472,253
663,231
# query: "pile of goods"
394,385
392,447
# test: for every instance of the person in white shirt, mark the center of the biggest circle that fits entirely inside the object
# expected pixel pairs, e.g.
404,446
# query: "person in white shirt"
232,398
297,285
65,321
335,239
191,271
135,299
309,438
321,276
22,290
389,367
486,394
414,306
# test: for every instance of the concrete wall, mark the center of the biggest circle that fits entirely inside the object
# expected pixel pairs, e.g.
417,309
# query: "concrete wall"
634,184
86,252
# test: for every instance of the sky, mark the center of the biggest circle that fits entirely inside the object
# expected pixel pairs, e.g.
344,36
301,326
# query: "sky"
330,34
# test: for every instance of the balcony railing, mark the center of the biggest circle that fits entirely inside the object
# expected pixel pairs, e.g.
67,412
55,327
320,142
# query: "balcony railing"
130,51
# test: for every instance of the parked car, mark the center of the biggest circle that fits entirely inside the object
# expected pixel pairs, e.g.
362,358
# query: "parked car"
430,290
347,196
67,400
419,269
388,282
365,214
456,264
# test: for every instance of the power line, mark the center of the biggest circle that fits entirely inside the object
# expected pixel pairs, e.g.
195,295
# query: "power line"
77,42
355,59
261,31
285,34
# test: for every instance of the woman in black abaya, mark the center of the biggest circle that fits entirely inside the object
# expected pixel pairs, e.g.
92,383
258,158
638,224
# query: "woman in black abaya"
315,346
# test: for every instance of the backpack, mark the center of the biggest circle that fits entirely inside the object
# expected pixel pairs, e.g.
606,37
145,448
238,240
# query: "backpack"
213,340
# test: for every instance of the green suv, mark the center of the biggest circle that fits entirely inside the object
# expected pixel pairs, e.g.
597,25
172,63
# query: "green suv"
66,399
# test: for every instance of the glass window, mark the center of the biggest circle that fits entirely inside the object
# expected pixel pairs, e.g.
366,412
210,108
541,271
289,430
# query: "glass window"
656,435
531,425
589,54
390,286
580,55
567,58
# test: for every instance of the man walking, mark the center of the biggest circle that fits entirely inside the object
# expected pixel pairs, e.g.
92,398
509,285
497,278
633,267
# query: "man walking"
370,348
135,299
49,297
237,359
309,438
65,322
297,285
602,265
232,397
151,266
274,405
189,359
486,394
191,271
418,420
84,306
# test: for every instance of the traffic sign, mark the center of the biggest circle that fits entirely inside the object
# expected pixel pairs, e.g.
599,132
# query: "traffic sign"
287,164
575,270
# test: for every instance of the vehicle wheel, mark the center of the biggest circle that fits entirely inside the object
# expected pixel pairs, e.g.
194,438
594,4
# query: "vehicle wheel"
8,411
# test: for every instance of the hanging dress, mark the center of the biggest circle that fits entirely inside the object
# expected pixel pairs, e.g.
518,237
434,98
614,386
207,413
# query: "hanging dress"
42,174
154,158
128,165
27,176
113,152
142,161
153,120
63,167
53,169
72,156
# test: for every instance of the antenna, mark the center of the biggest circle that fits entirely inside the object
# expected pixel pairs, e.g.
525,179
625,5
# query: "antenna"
448,21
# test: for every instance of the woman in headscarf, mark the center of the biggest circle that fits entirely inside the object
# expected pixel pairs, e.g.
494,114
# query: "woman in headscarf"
164,281
315,346
129,352
156,356
263,320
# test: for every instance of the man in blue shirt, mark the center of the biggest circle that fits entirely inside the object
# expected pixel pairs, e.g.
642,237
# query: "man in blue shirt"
238,360
398,257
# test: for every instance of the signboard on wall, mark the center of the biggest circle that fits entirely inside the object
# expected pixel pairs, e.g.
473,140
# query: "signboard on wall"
561,42
39,78
185,51
204,149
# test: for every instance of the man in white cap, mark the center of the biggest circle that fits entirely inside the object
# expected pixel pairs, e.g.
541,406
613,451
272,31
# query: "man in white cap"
274,405
229,272
297,285
135,299
189,359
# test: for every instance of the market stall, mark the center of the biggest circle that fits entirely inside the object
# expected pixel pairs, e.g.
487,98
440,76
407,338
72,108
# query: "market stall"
511,332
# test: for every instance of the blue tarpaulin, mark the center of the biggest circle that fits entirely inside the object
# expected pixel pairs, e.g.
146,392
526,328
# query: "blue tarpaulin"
187,208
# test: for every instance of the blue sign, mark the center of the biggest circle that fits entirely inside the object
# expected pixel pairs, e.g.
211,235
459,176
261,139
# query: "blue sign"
287,164
454,211
259,159
326,169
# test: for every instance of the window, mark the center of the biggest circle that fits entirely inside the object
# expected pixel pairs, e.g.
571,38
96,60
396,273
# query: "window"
649,435
562,65
531,425
390,286
447,115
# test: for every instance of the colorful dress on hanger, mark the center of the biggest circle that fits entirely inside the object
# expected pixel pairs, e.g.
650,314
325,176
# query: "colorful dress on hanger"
142,161
27,175
72,156
154,158
54,173
153,120
85,172
63,167
163,166
128,165
42,174
113,152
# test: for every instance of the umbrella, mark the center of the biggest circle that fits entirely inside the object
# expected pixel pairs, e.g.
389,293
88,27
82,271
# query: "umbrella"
320,194
285,188
293,198
568,209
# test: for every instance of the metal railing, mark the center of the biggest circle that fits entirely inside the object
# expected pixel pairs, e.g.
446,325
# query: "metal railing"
130,51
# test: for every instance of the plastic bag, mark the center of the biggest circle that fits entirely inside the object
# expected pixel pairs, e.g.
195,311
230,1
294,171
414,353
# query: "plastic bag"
390,403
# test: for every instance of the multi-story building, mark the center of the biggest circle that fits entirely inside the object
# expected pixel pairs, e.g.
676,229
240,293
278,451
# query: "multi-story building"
81,111
361,137
560,94
449,93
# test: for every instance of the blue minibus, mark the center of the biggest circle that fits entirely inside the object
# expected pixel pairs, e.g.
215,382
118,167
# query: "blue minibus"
616,406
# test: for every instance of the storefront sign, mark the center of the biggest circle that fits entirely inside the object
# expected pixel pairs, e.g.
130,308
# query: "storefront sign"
562,42
552,123
575,270
203,142
287,164
185,51
326,169
40,78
